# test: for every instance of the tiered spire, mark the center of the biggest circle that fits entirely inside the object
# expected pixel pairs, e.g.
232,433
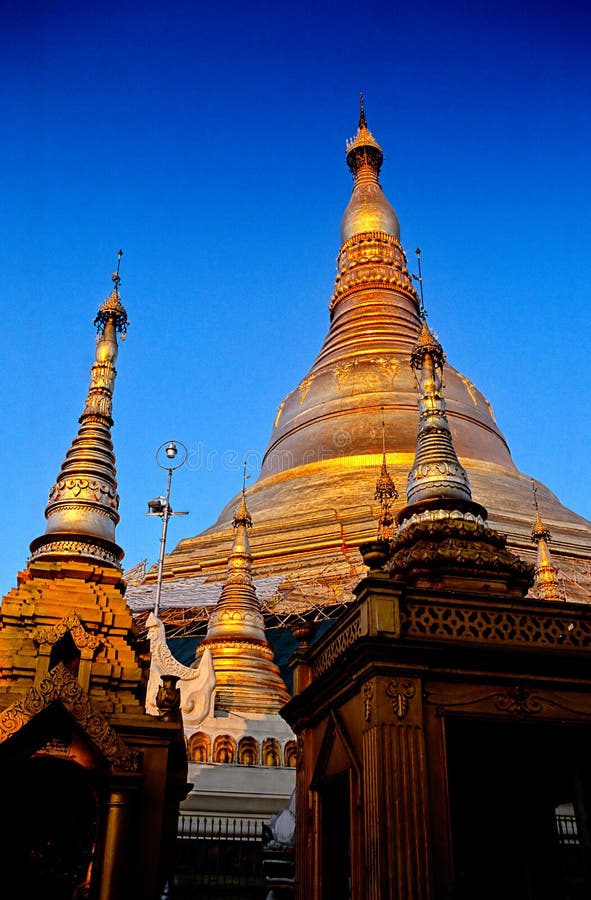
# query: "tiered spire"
545,580
247,678
82,512
385,492
436,473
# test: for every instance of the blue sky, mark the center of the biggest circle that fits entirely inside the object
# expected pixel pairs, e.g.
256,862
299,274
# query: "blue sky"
208,143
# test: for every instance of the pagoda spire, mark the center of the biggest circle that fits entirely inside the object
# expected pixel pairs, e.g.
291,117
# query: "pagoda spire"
247,678
238,611
82,510
545,580
436,473
385,492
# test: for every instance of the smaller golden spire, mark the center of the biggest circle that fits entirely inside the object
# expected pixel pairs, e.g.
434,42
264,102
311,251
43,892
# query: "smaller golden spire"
82,511
436,473
385,491
546,581
247,678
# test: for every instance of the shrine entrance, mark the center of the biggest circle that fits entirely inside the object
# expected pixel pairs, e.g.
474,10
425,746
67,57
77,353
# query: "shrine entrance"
520,798
51,817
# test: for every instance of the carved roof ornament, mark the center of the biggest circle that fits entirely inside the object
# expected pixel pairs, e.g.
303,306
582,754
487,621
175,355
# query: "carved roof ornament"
82,511
545,581
385,492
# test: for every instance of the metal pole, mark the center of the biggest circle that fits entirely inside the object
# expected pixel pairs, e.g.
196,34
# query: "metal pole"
165,517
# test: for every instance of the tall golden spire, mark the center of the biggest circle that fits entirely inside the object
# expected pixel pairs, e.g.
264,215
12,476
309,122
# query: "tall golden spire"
368,209
82,511
247,678
436,473
545,580
385,493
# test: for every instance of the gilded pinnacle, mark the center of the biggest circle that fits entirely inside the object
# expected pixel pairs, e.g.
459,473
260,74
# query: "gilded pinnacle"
82,511
546,581
247,679
436,473
368,209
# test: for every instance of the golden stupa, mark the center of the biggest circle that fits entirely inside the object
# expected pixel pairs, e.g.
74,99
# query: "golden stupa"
313,498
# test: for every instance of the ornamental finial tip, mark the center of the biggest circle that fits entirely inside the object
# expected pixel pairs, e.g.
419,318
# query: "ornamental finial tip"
362,119
112,309
243,516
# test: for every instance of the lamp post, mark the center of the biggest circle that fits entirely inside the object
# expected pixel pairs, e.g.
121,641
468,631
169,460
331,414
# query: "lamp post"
160,506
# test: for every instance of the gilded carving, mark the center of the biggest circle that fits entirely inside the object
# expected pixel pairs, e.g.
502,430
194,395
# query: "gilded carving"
279,412
387,364
76,548
401,691
305,386
345,639
373,257
59,685
89,488
368,695
81,637
495,625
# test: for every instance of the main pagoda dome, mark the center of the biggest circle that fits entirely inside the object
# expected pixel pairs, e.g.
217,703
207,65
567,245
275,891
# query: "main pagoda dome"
313,501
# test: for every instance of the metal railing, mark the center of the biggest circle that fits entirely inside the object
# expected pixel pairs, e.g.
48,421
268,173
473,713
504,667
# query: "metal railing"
218,856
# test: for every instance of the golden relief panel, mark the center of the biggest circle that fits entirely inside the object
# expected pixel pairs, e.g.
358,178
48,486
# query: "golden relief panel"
387,365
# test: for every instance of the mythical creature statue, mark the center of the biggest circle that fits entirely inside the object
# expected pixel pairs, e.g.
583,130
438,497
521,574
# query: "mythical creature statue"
197,686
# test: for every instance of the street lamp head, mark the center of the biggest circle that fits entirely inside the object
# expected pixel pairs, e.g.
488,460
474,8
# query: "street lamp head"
171,450
157,506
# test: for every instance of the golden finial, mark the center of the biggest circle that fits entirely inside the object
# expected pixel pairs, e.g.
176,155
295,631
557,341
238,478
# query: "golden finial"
385,492
546,581
242,516
112,309
364,154
362,119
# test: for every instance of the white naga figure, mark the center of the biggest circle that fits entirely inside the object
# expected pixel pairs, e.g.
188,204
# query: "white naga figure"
197,686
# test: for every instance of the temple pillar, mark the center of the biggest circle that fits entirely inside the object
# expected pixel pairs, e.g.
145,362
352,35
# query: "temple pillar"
120,804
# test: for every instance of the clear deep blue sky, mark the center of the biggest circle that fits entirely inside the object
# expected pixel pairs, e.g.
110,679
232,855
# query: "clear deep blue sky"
207,140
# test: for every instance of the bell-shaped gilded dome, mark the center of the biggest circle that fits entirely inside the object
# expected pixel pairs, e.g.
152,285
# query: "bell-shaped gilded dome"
313,498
